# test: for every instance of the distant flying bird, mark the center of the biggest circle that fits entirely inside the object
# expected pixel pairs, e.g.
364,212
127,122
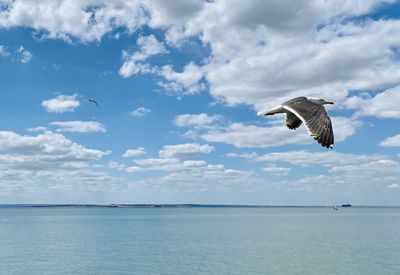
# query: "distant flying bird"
93,101
312,113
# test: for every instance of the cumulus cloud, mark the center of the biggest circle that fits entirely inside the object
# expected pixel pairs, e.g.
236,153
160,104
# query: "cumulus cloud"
48,145
174,13
393,141
116,165
79,126
284,50
384,104
381,166
184,150
21,54
134,169
25,56
192,170
61,104
140,112
208,173
306,158
148,45
341,168
173,160
37,129
134,63
68,19
131,153
393,186
275,170
163,164
48,155
245,135
214,129
197,121
187,82
242,135
261,52
3,51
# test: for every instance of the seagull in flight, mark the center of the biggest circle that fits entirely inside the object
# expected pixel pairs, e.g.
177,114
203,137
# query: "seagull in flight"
93,101
310,111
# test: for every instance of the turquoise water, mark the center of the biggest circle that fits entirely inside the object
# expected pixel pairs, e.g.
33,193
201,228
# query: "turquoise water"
199,241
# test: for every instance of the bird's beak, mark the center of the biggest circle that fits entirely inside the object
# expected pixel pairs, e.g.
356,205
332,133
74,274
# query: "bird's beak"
329,102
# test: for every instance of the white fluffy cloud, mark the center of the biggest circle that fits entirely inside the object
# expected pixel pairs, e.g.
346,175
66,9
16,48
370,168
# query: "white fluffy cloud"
189,171
115,165
67,19
187,82
261,52
246,135
393,141
131,153
241,135
61,104
174,12
21,54
134,63
37,129
140,112
78,126
275,170
306,158
25,56
393,186
3,51
47,145
384,104
172,159
197,121
91,20
283,50
184,150
134,169
341,168
163,164
381,166
48,155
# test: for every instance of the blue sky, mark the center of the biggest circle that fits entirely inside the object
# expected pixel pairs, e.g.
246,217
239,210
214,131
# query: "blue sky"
179,86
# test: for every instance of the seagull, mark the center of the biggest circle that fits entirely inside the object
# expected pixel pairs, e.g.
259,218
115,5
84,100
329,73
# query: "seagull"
312,113
94,101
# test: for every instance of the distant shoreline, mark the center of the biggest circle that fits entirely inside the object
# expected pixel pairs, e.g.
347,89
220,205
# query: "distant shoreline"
177,206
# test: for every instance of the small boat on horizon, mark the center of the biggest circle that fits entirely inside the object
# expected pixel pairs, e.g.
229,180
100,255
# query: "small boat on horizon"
346,205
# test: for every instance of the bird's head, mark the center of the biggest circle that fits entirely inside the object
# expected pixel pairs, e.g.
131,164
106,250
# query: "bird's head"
320,101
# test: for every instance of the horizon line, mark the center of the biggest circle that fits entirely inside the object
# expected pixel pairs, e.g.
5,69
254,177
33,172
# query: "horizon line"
171,205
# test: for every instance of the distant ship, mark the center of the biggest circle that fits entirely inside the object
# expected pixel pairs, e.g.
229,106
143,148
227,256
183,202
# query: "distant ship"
346,205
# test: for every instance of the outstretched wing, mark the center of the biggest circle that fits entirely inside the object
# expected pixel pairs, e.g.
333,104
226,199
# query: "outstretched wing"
94,101
292,121
315,118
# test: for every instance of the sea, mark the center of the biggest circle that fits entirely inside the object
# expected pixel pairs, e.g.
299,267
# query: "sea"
199,240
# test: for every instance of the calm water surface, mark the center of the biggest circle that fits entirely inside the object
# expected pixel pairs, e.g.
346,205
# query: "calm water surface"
199,241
